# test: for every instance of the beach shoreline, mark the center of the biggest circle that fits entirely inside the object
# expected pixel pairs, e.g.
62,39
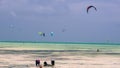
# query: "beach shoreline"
24,55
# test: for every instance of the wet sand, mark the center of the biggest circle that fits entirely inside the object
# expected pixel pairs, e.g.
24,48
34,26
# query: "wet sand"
25,58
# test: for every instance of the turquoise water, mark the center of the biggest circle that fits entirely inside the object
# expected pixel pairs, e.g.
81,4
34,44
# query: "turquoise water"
62,46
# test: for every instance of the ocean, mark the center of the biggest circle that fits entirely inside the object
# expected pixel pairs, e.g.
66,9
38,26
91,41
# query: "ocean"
104,47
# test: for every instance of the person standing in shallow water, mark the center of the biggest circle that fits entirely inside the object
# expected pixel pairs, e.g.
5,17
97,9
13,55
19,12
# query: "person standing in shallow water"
45,63
37,62
52,62
98,50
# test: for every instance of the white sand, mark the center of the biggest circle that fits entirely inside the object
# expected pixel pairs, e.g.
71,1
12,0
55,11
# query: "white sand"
63,60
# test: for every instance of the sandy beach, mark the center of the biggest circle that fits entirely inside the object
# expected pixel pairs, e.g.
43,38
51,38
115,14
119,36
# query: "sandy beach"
25,58
17,56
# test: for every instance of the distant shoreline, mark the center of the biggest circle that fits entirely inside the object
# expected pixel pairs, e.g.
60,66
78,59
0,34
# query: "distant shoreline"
61,42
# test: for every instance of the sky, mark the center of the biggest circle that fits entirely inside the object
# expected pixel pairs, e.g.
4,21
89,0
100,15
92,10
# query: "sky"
21,20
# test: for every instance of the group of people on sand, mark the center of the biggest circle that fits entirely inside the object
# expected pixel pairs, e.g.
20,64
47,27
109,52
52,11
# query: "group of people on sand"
37,62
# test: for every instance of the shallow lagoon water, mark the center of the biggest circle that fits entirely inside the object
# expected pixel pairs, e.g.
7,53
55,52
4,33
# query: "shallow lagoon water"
63,46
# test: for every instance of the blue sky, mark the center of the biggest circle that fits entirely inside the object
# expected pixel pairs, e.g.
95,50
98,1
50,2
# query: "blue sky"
21,20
